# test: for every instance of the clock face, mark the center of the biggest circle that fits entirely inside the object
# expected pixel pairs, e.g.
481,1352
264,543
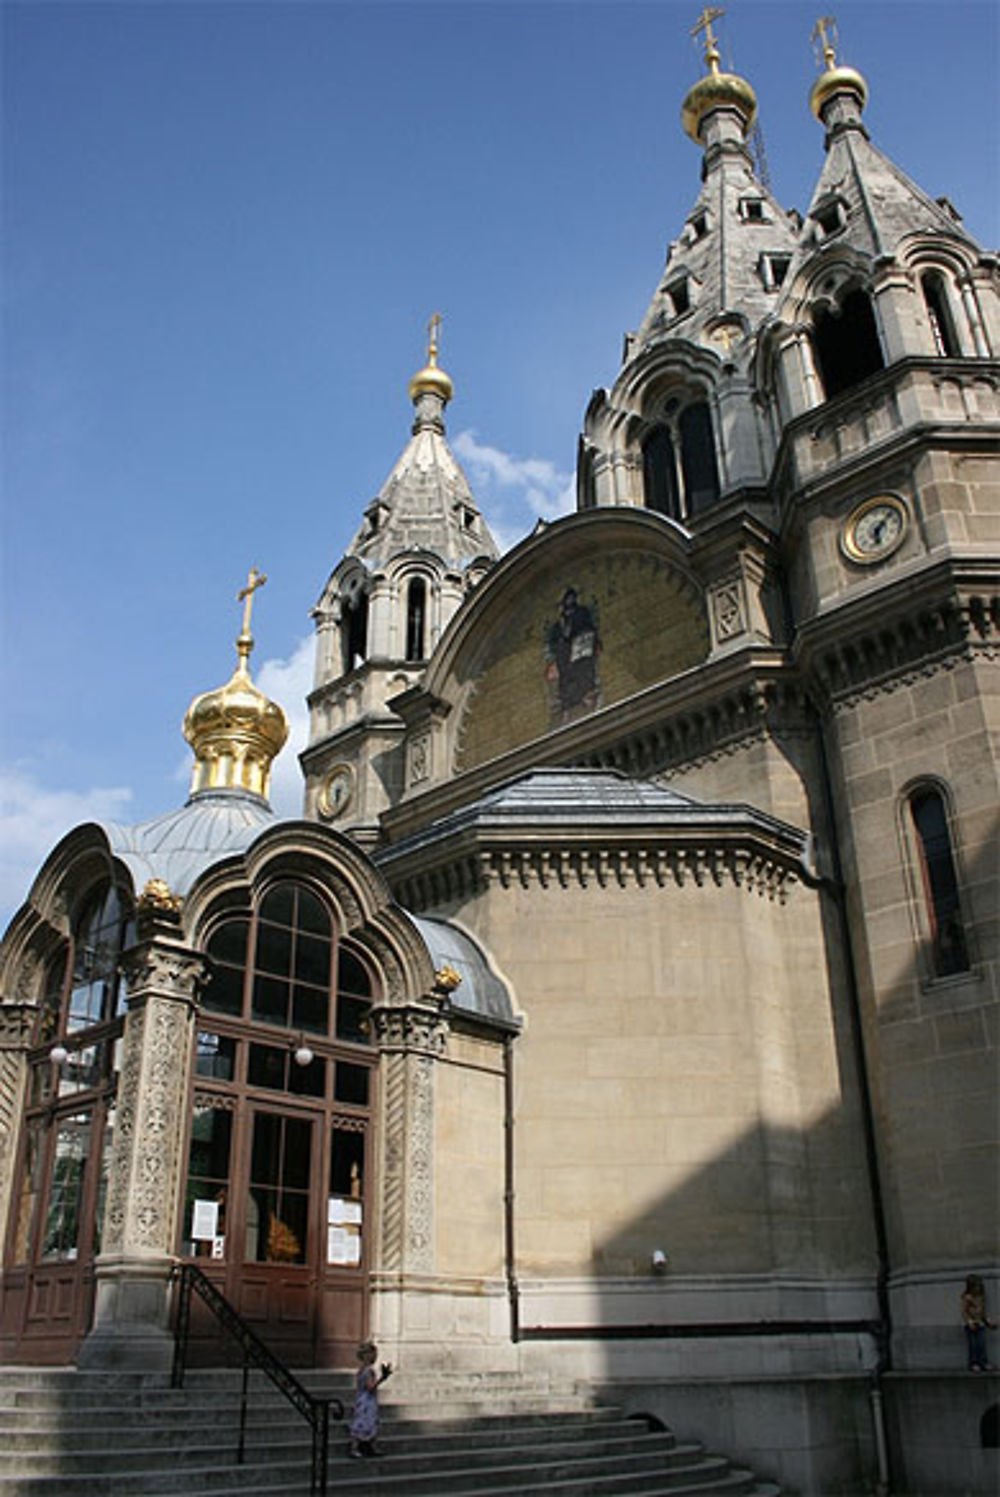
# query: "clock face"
336,792
875,529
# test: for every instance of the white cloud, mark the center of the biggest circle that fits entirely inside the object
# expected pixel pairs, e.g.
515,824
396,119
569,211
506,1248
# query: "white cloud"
514,492
33,819
289,682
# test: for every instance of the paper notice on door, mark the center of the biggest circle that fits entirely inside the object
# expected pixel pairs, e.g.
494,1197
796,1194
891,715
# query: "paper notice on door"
343,1246
340,1212
205,1221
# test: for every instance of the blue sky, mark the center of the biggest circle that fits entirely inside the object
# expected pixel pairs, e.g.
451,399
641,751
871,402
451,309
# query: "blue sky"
226,226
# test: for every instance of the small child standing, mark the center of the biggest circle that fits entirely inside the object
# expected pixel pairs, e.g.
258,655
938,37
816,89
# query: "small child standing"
976,1321
363,1428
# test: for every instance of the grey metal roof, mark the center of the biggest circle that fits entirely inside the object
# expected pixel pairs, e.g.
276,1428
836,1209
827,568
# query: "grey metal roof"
480,992
181,845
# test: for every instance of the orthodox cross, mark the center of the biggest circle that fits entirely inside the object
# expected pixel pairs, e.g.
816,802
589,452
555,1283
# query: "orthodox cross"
254,581
825,34
433,328
704,23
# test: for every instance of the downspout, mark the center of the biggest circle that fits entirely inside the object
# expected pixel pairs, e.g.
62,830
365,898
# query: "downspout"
510,1263
835,886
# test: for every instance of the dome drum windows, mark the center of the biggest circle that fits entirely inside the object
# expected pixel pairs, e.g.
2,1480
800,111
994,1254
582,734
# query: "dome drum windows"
847,343
680,473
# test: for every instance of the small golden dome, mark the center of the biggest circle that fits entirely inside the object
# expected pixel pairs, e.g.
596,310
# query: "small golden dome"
432,380
235,730
835,81
715,91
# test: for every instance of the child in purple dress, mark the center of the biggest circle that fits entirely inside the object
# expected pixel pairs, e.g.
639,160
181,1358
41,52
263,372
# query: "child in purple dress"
363,1428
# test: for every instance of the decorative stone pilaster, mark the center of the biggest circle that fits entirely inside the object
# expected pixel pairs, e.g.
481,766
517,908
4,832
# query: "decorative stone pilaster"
16,1022
146,1171
410,1039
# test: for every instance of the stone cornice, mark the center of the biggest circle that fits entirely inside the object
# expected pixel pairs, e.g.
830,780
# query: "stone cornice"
901,629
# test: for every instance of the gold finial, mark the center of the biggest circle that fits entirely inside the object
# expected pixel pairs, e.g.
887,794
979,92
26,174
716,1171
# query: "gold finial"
824,34
832,79
433,328
245,642
432,380
704,23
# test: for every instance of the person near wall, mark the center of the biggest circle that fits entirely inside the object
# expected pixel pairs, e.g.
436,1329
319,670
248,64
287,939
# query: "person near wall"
976,1321
363,1428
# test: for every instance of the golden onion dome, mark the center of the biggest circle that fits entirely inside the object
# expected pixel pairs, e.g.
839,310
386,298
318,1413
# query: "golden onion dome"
836,81
833,79
718,91
432,380
236,731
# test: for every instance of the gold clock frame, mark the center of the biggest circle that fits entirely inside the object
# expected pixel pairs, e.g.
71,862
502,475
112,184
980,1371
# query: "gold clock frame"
848,541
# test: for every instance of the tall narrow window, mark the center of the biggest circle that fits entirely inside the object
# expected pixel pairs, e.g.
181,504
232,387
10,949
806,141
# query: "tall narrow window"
354,632
659,472
847,344
939,316
701,476
416,619
948,948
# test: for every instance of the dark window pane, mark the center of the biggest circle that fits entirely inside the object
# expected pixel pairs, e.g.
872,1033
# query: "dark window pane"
274,949
208,1161
354,1021
660,474
287,1227
215,1056
352,976
701,478
351,1083
298,1136
270,1000
265,1161
267,1066
310,1009
307,1081
312,960
224,991
347,1163
278,905
62,1216
948,945
312,914
228,942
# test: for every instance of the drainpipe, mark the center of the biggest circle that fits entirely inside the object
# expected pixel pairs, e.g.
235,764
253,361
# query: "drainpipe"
510,1264
835,886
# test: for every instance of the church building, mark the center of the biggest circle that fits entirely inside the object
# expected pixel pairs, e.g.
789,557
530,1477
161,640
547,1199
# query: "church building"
623,1007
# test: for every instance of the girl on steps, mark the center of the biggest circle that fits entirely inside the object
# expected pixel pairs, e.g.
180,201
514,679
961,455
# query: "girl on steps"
363,1428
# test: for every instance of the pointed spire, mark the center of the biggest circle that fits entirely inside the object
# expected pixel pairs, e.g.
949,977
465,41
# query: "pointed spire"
431,388
236,731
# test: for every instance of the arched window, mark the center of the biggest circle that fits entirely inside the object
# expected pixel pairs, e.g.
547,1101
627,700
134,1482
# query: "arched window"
847,344
354,631
701,476
686,487
939,315
939,882
659,472
416,619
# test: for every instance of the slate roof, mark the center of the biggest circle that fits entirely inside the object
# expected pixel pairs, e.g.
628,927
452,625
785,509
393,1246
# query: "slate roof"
179,846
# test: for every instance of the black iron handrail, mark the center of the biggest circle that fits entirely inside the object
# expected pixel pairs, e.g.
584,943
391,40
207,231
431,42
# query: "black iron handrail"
316,1410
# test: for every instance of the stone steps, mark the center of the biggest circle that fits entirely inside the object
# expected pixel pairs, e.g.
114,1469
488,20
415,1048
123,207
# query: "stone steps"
66,1434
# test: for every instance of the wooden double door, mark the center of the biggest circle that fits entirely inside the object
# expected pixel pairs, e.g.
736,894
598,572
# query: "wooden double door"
277,1215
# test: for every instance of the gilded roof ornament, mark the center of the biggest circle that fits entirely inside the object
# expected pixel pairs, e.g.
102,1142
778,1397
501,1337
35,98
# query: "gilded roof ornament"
717,90
431,380
833,79
236,731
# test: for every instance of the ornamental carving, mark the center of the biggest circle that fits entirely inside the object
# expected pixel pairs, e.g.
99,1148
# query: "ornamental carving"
420,759
165,969
727,606
413,1029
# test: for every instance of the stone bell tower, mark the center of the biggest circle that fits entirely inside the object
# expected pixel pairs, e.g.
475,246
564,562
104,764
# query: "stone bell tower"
422,547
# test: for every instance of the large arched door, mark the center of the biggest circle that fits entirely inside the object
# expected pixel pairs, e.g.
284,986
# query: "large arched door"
57,1212
277,1202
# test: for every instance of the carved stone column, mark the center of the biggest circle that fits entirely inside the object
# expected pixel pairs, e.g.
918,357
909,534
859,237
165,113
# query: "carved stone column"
410,1040
147,1168
16,1023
